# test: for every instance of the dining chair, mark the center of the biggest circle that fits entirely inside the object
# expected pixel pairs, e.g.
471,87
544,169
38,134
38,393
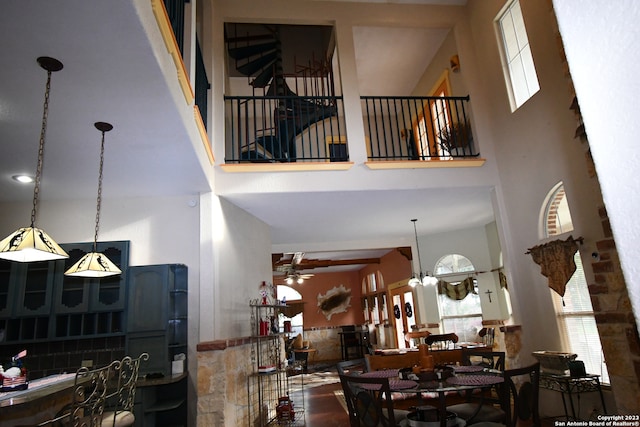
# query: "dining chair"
369,402
518,402
89,395
121,415
441,341
351,367
351,340
488,359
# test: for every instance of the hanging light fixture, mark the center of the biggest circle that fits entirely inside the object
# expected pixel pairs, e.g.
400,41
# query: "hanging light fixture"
96,264
426,279
30,244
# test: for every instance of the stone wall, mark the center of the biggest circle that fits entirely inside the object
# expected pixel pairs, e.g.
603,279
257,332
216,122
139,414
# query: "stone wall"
223,368
326,342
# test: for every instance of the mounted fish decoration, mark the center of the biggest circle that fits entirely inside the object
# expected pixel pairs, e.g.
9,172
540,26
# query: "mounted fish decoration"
336,300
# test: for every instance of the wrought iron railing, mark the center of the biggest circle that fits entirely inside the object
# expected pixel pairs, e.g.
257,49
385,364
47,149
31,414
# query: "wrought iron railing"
417,128
312,128
285,129
202,85
175,11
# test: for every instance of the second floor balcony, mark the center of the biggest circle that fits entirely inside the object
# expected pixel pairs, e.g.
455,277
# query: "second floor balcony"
288,129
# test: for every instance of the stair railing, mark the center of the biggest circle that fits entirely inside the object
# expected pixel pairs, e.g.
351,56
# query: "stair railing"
308,128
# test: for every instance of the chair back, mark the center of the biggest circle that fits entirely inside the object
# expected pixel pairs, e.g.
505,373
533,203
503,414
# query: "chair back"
368,401
488,359
124,393
349,335
90,394
352,367
441,341
520,396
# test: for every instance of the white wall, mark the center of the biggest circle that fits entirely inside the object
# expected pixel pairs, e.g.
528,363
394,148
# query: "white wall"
604,61
241,260
534,148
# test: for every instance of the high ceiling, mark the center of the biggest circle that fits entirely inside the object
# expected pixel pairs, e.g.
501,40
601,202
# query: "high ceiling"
112,74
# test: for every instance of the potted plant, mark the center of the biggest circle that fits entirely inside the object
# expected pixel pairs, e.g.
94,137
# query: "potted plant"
456,139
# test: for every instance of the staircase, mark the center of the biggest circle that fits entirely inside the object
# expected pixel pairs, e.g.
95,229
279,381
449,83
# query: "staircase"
281,116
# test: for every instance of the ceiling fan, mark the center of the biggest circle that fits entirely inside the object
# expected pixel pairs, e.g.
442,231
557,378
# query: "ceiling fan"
291,269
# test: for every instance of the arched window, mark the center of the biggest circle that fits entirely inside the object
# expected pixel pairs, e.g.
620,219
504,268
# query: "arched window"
574,310
460,310
557,217
293,297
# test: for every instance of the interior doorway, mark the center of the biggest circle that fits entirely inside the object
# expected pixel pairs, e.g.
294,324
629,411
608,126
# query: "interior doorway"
404,312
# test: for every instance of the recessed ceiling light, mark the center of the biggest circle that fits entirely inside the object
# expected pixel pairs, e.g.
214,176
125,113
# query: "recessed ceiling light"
25,179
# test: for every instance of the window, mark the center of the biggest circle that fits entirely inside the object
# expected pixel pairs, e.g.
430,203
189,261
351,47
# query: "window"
433,121
464,316
557,215
517,61
575,312
293,297
577,324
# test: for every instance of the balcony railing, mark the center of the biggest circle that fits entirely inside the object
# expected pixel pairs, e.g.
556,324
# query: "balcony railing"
285,129
417,128
311,128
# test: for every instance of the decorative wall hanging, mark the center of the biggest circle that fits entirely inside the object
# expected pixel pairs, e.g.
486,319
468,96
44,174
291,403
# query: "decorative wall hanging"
336,300
503,280
459,291
408,310
556,261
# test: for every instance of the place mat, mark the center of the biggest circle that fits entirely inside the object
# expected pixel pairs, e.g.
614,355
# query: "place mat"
385,373
467,368
475,380
401,384
394,385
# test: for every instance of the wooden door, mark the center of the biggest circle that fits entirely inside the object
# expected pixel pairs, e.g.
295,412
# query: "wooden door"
404,312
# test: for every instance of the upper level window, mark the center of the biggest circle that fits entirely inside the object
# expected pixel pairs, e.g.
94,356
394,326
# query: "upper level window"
517,61
557,217
434,121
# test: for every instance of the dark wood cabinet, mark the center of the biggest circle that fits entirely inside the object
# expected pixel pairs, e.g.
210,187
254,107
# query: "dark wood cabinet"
77,294
38,302
157,320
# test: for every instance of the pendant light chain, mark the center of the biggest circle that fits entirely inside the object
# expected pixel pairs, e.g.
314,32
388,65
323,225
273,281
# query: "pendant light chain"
415,232
45,114
99,199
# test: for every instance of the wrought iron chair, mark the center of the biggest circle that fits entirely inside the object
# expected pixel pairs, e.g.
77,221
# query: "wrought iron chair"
124,394
369,402
90,393
518,402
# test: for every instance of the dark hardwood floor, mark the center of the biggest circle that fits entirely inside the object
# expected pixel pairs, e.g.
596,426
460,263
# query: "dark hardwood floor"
322,408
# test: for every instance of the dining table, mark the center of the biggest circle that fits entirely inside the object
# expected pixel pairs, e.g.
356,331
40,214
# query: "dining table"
464,379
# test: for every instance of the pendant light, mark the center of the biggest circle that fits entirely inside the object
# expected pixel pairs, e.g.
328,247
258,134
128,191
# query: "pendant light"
96,264
31,244
426,279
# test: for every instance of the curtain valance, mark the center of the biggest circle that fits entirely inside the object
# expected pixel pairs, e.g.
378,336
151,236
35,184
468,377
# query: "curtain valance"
456,292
